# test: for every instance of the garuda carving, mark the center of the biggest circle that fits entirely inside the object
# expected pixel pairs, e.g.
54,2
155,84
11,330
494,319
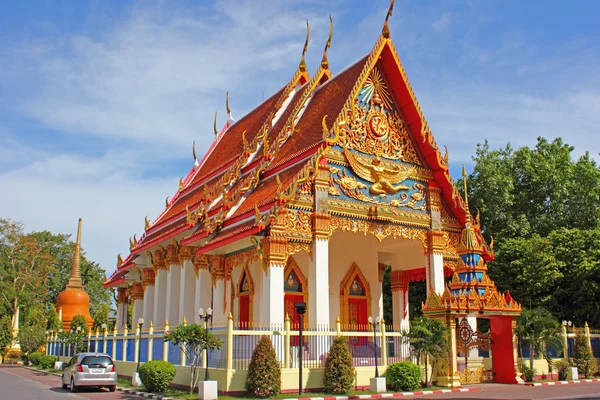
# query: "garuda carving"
382,178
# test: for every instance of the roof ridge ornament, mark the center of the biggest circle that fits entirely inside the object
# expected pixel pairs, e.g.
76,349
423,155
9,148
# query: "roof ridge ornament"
324,61
196,163
302,66
385,32
215,124
227,103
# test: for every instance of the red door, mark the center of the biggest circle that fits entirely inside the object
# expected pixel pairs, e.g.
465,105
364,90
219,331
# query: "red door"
358,318
244,312
290,309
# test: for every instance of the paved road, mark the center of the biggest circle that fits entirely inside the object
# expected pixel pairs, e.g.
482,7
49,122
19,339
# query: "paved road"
521,392
20,383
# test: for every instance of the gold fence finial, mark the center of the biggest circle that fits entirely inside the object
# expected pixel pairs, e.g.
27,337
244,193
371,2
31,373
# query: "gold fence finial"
385,32
302,66
324,61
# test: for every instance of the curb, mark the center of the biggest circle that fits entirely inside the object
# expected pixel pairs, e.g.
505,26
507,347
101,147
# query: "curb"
561,382
385,395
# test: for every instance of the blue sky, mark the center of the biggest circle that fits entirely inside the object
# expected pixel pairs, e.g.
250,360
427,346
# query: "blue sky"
100,100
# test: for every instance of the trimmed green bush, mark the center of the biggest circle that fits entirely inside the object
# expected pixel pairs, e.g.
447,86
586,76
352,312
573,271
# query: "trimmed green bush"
404,376
339,368
46,361
157,375
528,373
264,371
583,358
562,367
34,358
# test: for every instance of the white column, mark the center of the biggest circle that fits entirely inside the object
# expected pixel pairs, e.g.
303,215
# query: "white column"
436,273
187,298
318,284
148,312
203,292
400,308
121,315
138,310
160,295
272,295
219,313
172,299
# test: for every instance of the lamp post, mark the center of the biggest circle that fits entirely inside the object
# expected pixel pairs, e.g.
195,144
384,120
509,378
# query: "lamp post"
140,324
205,316
374,326
567,325
300,311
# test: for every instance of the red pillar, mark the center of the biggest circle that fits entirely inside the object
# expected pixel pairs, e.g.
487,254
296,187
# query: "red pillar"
503,362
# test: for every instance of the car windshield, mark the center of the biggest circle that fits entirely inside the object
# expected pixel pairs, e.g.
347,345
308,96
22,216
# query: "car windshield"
96,361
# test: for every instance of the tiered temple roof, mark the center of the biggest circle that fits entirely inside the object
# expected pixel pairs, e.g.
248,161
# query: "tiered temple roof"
262,161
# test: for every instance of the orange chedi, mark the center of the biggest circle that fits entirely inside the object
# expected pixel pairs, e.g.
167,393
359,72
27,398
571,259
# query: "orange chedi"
73,300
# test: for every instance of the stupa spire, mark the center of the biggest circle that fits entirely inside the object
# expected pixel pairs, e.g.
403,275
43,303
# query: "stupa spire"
469,242
75,279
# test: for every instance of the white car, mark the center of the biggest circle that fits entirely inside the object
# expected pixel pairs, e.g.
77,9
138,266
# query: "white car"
90,369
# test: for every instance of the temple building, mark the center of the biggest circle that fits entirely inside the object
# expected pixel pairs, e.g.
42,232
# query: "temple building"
74,300
308,198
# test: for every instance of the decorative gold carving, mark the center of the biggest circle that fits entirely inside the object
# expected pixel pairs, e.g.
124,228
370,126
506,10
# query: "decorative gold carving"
437,242
148,277
385,32
294,247
241,259
122,295
378,131
478,375
435,199
217,268
353,273
201,261
185,254
274,251
146,223
137,291
173,253
159,260
379,230
321,225
383,177
298,223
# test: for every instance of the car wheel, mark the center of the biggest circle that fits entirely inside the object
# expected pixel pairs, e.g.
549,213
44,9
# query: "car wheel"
112,388
74,388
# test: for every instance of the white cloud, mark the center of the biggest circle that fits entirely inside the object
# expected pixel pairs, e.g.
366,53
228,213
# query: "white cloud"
442,24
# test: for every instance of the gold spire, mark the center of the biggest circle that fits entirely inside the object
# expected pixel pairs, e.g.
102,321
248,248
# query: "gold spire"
215,125
302,66
146,223
167,202
385,32
227,103
324,61
75,279
469,239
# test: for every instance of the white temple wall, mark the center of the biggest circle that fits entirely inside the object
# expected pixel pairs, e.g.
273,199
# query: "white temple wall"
346,248
172,299
186,293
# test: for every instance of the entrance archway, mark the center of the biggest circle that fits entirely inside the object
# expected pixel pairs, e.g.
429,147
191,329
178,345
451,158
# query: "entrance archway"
295,288
355,294
245,291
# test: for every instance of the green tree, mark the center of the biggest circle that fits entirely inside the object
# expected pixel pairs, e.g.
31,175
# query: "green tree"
428,337
264,371
192,340
79,321
30,338
25,265
5,334
583,358
339,368
539,330
100,317
52,322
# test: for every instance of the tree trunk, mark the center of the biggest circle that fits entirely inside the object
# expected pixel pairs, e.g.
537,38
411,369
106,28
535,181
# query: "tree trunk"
426,368
531,354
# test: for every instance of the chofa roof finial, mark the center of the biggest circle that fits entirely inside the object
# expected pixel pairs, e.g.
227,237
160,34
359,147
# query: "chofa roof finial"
194,153
215,124
324,61
385,32
302,65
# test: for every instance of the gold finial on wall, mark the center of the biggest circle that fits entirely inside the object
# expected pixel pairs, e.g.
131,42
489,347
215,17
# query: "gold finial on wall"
302,66
385,32
324,61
